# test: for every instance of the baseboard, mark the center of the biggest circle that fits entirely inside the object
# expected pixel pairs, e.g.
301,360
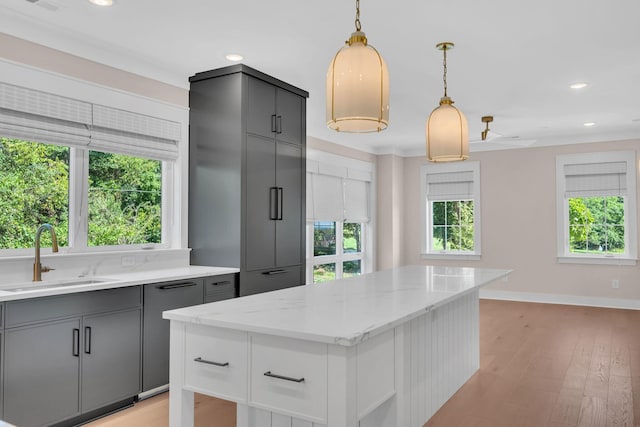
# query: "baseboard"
629,304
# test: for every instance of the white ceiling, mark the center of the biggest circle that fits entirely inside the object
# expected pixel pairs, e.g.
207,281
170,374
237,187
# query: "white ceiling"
513,60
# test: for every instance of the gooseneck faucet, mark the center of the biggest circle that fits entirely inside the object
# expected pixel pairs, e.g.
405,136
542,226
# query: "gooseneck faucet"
38,269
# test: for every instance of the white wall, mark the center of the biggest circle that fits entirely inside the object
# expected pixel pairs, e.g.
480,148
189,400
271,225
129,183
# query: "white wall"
518,194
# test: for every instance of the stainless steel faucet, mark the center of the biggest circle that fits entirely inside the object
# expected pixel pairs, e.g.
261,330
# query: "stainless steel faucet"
38,269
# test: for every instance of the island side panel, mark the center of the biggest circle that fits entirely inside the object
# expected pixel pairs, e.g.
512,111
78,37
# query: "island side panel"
180,400
444,350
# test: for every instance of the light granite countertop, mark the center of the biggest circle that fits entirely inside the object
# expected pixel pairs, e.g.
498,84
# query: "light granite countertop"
107,281
345,311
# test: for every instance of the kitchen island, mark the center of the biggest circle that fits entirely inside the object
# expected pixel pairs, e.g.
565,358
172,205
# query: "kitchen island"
382,349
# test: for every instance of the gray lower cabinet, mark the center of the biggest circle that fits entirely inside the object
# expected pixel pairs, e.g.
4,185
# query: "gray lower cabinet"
159,297
66,357
42,368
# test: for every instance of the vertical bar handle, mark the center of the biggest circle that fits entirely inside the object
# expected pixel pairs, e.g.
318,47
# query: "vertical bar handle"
76,342
273,203
87,339
279,124
280,203
274,126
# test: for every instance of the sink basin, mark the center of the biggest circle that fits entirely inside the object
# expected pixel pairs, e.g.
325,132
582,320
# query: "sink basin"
36,286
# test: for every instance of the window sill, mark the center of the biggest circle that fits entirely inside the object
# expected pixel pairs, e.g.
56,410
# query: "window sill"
597,260
459,256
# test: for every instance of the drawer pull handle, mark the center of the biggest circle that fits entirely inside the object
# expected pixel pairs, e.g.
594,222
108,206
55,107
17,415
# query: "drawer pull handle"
177,285
221,283
209,362
280,377
272,272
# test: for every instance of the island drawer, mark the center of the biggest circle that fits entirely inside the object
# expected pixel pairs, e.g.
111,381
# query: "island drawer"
216,362
289,376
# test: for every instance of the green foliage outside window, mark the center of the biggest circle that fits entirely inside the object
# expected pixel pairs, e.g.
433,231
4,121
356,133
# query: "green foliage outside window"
453,226
124,196
596,225
124,200
34,189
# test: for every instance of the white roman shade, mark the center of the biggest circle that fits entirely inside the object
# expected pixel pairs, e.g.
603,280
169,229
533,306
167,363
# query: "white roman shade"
124,132
595,179
337,193
456,185
356,201
34,115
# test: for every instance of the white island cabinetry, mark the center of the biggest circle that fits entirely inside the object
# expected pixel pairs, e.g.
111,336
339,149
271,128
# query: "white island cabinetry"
379,350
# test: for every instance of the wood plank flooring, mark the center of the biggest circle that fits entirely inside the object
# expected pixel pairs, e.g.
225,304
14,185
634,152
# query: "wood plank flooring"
540,365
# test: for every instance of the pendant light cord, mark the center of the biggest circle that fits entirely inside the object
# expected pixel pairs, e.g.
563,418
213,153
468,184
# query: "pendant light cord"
444,77
358,26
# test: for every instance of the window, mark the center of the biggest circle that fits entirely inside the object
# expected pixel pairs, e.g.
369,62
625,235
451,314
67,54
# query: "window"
338,218
337,250
94,172
596,200
451,210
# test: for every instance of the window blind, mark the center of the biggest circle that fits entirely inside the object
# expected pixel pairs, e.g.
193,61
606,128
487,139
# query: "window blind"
33,115
124,132
450,185
356,201
328,198
596,179
53,119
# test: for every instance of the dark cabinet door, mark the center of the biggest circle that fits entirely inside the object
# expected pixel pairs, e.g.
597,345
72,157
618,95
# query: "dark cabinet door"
159,297
289,177
110,358
261,108
261,200
41,373
290,114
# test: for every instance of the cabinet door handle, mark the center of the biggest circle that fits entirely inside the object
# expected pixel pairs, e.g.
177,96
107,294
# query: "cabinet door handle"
209,362
281,377
76,342
273,203
87,339
274,127
226,282
279,124
280,194
177,285
274,272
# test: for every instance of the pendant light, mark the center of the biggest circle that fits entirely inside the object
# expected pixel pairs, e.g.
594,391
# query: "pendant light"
447,131
357,86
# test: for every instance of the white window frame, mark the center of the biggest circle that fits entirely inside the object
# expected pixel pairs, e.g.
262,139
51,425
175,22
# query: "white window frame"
630,256
427,211
174,185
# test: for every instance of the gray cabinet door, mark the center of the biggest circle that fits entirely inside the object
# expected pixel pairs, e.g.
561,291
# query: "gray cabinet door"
110,358
41,371
159,297
290,113
261,203
261,109
289,176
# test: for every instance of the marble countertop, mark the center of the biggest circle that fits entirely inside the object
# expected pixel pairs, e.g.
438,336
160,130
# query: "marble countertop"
345,311
107,281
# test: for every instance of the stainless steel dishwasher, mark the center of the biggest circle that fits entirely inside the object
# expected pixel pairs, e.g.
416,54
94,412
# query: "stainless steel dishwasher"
159,297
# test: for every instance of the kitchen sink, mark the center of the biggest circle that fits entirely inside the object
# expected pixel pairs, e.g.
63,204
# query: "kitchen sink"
48,284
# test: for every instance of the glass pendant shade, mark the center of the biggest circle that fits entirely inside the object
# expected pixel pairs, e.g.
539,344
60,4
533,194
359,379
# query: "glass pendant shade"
357,88
447,134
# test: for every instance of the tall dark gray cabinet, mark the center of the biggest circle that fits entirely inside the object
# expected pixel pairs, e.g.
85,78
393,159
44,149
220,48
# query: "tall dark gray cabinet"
247,176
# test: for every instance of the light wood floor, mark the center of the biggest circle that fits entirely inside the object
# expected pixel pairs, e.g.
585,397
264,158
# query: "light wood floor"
541,365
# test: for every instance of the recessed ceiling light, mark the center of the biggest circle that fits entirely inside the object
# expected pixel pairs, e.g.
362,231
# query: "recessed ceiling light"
578,85
234,57
102,2
589,124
